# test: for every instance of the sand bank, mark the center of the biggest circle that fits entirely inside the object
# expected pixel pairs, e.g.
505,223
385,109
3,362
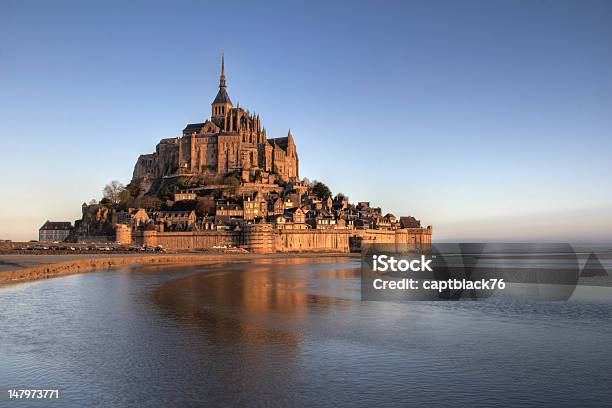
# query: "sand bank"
34,267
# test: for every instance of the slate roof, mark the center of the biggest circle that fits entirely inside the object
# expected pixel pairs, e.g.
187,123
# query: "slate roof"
222,97
194,126
290,211
175,213
409,222
56,225
233,207
282,142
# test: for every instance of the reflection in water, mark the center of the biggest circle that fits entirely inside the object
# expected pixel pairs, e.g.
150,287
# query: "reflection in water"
254,312
253,304
292,332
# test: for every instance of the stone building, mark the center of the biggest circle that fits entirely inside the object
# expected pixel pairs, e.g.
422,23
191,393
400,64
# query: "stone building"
53,231
255,207
232,140
227,212
134,217
185,195
177,219
409,222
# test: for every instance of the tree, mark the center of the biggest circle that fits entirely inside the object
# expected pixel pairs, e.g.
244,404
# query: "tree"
340,198
205,206
185,205
164,194
125,197
321,190
149,203
183,182
113,191
233,184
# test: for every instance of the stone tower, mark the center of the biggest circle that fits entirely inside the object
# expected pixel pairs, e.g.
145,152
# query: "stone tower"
222,103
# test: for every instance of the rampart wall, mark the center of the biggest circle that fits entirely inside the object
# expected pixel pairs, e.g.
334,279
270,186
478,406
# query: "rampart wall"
262,238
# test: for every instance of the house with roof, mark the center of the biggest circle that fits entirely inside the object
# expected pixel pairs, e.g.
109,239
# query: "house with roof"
409,222
255,206
226,212
54,231
177,220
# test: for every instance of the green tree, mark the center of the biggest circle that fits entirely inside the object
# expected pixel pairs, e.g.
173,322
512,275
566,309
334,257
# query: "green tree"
233,183
183,182
185,205
151,203
164,193
321,190
340,198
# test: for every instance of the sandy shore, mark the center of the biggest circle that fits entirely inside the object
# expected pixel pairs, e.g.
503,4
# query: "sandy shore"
23,268
11,262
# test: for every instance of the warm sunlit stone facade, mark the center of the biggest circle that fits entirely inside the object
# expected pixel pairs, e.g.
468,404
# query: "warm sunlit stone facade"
231,140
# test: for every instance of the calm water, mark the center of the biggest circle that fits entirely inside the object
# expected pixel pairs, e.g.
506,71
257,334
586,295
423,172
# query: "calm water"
293,333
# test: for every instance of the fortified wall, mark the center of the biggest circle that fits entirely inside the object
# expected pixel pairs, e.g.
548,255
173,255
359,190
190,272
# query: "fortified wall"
262,238
184,240
413,236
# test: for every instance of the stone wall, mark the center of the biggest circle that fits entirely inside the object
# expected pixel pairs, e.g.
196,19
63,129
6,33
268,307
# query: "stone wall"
262,238
185,240
123,234
418,236
400,236
311,241
259,238
164,161
412,236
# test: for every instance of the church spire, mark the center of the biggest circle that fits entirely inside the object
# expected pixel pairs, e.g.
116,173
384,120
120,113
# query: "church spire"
222,80
222,103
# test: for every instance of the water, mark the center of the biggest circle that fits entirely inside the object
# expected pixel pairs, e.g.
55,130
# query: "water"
293,333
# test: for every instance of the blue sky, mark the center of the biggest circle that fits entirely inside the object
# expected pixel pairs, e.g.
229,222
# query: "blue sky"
486,119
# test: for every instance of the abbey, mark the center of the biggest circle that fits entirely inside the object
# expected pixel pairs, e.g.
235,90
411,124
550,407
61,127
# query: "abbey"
224,184
232,140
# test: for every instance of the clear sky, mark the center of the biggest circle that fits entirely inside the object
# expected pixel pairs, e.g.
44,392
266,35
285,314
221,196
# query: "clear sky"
486,119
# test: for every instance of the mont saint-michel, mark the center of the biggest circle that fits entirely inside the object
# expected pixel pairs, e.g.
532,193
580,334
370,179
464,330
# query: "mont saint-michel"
223,183
242,229
231,141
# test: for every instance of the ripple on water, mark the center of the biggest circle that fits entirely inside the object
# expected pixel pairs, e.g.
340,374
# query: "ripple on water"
285,333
